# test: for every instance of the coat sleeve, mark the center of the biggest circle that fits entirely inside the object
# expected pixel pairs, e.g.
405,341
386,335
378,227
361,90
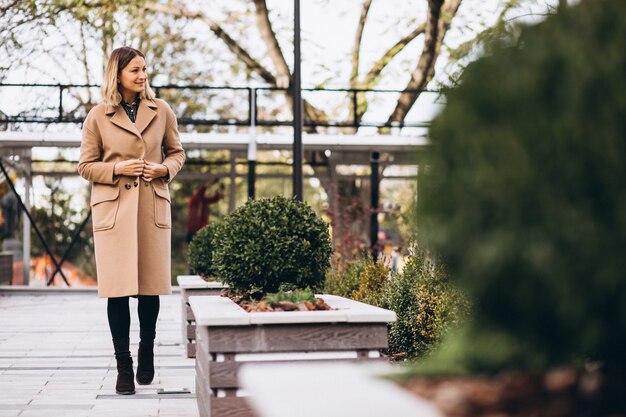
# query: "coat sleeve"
172,148
90,165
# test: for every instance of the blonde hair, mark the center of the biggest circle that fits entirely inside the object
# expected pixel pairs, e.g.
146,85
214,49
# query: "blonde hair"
118,60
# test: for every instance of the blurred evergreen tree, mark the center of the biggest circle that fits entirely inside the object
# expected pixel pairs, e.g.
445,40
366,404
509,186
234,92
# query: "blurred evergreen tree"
526,193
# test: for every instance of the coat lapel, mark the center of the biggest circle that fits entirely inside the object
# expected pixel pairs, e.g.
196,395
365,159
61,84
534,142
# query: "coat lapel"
145,114
120,119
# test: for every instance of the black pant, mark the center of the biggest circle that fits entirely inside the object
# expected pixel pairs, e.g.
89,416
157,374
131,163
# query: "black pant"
118,313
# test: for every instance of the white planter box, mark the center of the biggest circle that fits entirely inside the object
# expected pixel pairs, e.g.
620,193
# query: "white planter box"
194,285
347,390
227,336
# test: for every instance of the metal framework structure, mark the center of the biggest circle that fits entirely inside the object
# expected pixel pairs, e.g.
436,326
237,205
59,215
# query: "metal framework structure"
351,148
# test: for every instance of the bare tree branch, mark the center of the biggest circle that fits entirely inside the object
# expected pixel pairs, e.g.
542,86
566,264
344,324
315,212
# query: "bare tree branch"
253,65
359,101
356,49
181,11
374,73
84,61
437,24
283,77
372,77
5,8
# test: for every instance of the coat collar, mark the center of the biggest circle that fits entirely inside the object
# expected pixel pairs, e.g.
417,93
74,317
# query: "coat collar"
145,114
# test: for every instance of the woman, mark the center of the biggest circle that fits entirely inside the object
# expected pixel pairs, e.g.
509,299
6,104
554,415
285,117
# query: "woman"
130,151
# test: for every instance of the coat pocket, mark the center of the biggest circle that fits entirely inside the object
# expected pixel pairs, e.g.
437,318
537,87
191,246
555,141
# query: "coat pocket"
105,202
162,207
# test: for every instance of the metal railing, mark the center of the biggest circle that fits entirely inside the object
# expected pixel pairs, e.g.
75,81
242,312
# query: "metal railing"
351,99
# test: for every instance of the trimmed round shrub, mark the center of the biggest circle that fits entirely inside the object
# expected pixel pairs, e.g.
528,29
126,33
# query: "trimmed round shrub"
526,194
201,251
271,244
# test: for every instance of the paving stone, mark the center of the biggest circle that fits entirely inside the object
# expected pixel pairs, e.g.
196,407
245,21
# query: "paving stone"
72,393
125,413
10,402
86,403
48,413
62,364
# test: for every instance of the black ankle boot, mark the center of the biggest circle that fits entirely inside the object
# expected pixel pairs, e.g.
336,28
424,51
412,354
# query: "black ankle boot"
145,359
125,384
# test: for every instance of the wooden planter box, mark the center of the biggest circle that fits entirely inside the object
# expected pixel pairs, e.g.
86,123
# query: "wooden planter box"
227,337
194,285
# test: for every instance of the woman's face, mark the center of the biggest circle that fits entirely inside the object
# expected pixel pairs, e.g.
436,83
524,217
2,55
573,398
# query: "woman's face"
133,77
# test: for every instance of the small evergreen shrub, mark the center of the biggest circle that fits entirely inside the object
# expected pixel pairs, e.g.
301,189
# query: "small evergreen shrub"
272,244
426,304
200,251
360,279
374,275
343,279
422,297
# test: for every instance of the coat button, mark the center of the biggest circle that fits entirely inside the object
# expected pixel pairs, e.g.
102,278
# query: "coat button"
146,184
135,183
127,186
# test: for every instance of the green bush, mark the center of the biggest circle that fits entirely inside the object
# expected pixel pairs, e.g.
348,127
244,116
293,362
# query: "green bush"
360,279
271,244
426,304
373,279
201,251
343,280
422,297
525,197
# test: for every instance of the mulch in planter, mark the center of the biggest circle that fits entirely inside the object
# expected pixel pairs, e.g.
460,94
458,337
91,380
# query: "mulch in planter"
253,302
559,393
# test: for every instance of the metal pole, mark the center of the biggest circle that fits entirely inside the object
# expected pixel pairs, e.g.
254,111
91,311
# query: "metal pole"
28,180
374,179
297,109
355,104
232,195
251,178
60,102
252,145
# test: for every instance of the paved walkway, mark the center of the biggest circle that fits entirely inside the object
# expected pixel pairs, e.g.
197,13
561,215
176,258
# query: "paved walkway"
56,359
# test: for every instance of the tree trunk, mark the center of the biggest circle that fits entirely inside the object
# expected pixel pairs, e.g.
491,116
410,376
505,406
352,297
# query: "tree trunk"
373,75
283,78
356,49
233,45
438,22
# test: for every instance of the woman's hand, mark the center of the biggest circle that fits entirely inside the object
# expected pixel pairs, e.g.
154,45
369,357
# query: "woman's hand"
130,168
152,171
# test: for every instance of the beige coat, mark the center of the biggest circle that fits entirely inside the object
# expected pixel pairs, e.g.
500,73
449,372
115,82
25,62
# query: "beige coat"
131,217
